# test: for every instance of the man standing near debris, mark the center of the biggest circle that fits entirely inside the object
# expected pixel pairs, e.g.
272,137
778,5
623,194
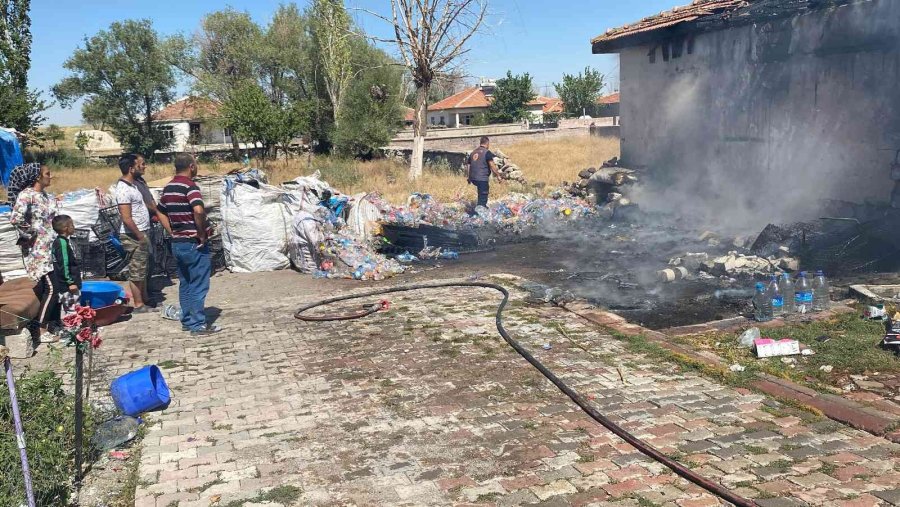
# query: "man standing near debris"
135,209
481,165
182,203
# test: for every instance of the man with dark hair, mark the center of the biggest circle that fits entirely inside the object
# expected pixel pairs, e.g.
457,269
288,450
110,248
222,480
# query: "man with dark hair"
135,211
182,203
481,165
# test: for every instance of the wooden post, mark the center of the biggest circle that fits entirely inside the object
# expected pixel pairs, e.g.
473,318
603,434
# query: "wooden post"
79,415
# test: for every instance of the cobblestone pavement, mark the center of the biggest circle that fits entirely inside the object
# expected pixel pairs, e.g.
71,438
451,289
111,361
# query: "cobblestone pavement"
425,405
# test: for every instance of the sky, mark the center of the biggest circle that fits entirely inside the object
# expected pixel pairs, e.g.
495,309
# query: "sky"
543,38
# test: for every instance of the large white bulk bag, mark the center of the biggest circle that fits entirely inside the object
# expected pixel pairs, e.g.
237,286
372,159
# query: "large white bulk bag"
84,208
307,234
255,228
364,217
11,264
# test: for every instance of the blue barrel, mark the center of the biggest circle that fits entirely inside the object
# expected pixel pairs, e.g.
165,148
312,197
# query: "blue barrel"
140,391
100,294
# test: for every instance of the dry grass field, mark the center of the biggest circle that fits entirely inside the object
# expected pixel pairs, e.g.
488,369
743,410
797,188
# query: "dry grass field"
548,162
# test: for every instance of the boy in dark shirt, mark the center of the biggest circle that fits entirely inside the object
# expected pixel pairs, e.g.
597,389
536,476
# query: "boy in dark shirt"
66,275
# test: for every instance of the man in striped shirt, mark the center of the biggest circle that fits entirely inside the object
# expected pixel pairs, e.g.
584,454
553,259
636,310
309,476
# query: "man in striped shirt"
182,203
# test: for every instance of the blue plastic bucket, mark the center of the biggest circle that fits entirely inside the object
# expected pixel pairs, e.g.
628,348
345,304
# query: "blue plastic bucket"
5,209
140,391
99,294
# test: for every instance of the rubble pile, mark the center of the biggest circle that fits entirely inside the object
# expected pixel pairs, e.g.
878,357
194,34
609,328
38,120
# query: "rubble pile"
508,170
605,186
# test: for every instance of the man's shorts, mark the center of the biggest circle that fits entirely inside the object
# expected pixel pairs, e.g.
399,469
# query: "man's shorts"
140,257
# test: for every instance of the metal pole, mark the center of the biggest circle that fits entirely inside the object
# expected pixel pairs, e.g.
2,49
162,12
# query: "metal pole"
79,416
20,433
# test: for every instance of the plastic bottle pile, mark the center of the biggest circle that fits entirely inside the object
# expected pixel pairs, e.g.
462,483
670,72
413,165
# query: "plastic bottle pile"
346,257
514,211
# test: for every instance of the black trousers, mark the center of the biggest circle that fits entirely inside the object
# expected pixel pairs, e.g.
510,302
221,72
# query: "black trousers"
484,189
49,296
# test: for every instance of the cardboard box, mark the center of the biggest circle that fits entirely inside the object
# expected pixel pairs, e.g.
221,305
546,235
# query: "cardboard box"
767,347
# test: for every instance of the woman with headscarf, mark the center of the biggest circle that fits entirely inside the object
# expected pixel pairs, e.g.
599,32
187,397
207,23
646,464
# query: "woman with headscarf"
32,215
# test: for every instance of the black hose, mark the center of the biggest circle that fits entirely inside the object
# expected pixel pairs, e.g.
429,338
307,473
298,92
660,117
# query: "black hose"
579,400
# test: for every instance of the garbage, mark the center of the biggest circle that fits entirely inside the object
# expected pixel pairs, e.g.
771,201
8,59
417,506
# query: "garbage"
407,257
748,337
115,432
808,352
737,368
762,304
821,297
672,274
170,312
875,312
824,338
803,294
541,294
140,391
767,347
827,368
547,346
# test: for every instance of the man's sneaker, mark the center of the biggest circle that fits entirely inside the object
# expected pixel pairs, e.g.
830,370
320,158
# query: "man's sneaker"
206,330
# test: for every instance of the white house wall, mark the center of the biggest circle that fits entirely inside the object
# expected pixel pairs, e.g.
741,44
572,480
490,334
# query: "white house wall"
763,121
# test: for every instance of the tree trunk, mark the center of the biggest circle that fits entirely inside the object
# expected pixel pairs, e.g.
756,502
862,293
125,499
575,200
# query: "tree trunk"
420,127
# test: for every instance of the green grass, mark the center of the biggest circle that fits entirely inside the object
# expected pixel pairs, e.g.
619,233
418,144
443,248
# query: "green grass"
284,495
852,350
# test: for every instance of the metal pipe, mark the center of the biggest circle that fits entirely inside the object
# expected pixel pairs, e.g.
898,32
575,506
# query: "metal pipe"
20,432
637,443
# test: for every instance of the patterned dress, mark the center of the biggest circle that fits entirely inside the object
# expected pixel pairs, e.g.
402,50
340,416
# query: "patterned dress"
38,262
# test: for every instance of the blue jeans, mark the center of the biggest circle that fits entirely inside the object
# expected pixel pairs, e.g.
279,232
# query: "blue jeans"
194,270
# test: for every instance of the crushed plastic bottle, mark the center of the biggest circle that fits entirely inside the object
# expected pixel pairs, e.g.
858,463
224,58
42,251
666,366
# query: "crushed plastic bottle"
170,312
820,291
762,304
115,432
449,254
407,257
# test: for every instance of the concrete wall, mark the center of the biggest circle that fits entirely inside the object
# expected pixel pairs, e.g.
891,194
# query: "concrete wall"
456,160
787,110
470,142
486,130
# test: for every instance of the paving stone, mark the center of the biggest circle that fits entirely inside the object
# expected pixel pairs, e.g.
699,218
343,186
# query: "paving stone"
890,496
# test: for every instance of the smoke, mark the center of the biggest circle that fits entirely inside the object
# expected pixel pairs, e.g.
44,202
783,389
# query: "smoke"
732,142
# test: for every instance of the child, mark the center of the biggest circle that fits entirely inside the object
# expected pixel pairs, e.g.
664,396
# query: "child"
66,275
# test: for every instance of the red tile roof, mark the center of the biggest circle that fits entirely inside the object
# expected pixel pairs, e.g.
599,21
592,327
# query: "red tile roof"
188,108
409,114
470,97
554,106
474,97
692,12
612,98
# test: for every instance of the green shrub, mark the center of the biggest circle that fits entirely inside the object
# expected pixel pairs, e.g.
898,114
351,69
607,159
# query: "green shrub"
60,158
48,415
339,172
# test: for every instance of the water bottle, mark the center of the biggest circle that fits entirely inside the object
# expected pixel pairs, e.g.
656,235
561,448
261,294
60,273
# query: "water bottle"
762,304
820,292
803,294
246,160
449,254
787,292
777,297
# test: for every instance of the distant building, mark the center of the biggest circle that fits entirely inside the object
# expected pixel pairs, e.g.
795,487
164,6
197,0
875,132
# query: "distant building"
192,123
460,109
609,106
778,94
409,117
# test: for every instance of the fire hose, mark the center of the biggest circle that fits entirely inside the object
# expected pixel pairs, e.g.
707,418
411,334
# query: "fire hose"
579,400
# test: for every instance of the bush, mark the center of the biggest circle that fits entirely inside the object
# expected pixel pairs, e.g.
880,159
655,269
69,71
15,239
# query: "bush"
48,415
59,158
341,173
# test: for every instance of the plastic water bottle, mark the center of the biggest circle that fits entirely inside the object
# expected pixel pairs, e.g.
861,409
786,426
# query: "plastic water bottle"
803,294
787,292
777,297
762,303
246,161
820,292
449,254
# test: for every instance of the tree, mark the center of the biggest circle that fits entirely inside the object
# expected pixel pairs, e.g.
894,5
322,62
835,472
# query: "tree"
580,93
332,39
125,75
20,107
431,37
251,114
54,134
512,95
81,141
372,106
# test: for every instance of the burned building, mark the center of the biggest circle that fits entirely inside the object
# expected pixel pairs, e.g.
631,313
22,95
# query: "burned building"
763,107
